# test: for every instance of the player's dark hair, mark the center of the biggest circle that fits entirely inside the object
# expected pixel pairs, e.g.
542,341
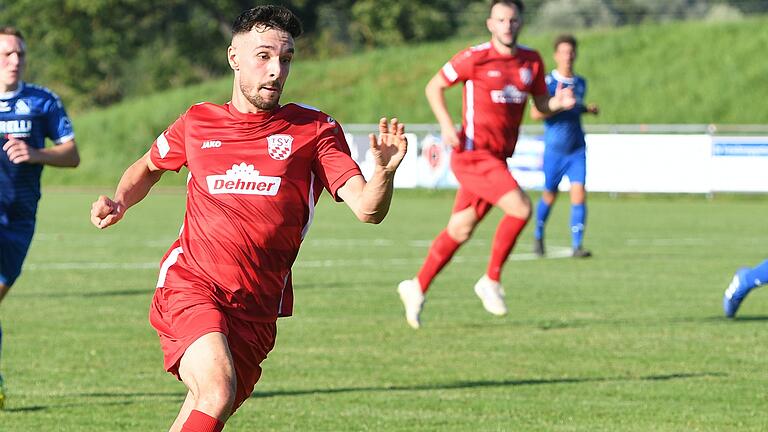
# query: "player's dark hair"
11,31
518,3
268,16
565,38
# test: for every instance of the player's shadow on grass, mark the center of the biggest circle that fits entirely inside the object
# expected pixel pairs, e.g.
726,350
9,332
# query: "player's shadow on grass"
324,285
562,324
87,294
24,409
746,318
476,384
107,400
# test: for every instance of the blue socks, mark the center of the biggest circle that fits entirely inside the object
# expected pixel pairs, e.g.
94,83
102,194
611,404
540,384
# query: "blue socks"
542,213
757,275
578,217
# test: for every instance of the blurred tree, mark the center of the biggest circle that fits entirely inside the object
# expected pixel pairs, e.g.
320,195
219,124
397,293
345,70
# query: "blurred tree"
568,14
393,22
96,52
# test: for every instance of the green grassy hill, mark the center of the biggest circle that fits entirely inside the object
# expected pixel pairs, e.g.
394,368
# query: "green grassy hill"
672,73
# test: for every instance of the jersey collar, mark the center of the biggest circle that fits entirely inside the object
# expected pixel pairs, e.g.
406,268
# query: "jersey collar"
566,80
251,116
14,93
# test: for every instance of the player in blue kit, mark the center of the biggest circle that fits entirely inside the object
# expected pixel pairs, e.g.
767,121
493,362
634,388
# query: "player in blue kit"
565,148
28,114
742,283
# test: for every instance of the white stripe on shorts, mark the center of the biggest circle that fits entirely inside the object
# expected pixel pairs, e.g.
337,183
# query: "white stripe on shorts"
171,260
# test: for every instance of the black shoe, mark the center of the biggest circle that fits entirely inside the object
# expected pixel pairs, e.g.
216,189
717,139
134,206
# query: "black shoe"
538,247
581,253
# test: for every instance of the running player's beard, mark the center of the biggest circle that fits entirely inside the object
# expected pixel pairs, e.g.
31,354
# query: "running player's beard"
511,44
252,94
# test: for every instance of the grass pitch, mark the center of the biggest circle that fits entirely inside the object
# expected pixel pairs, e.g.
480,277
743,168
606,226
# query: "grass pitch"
630,340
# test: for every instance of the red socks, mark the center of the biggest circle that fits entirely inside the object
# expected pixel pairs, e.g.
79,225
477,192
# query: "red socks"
441,251
199,421
503,241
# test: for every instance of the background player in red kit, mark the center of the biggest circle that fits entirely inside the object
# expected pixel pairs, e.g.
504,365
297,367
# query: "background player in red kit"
256,171
498,76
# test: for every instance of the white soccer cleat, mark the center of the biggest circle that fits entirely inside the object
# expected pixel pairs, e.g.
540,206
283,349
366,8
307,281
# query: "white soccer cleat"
492,295
413,300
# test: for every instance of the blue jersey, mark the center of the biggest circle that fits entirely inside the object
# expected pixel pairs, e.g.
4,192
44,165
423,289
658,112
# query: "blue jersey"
29,113
562,131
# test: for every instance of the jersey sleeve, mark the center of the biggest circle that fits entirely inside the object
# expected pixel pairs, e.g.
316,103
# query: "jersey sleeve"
333,164
551,84
459,68
539,84
58,127
168,151
582,97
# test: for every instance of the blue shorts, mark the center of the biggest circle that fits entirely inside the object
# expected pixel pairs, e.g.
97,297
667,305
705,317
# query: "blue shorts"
557,165
14,244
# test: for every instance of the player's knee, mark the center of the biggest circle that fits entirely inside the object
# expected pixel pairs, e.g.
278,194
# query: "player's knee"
520,209
578,194
549,197
218,397
524,210
459,232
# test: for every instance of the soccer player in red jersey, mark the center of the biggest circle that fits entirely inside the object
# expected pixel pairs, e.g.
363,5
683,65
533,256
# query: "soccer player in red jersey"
256,170
498,77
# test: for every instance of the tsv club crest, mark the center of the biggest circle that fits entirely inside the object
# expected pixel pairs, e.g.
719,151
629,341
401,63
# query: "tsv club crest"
525,76
279,146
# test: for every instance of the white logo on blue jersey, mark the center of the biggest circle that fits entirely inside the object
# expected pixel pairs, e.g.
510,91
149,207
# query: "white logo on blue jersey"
21,108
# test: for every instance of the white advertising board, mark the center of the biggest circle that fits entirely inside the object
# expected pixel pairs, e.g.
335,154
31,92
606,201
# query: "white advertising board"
642,162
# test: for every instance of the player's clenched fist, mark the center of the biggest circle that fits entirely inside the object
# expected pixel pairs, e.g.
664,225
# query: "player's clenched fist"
105,212
19,152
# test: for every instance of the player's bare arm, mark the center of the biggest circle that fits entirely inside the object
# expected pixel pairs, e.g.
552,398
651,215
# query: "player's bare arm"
370,200
593,109
64,155
134,185
562,100
538,115
435,92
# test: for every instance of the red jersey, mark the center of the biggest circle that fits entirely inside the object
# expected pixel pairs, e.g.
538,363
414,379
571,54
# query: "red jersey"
253,183
496,89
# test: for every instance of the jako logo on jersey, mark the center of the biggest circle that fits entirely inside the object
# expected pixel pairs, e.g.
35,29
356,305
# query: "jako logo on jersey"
279,146
525,76
510,94
243,179
21,107
211,144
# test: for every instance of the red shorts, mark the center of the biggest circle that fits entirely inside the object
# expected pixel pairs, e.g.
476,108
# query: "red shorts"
483,180
184,309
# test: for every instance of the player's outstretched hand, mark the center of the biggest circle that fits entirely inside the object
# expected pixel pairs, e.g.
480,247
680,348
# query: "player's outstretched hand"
105,212
390,147
564,97
593,109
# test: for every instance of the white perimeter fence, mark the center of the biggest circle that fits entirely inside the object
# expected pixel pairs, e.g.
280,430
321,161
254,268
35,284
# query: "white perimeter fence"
620,158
